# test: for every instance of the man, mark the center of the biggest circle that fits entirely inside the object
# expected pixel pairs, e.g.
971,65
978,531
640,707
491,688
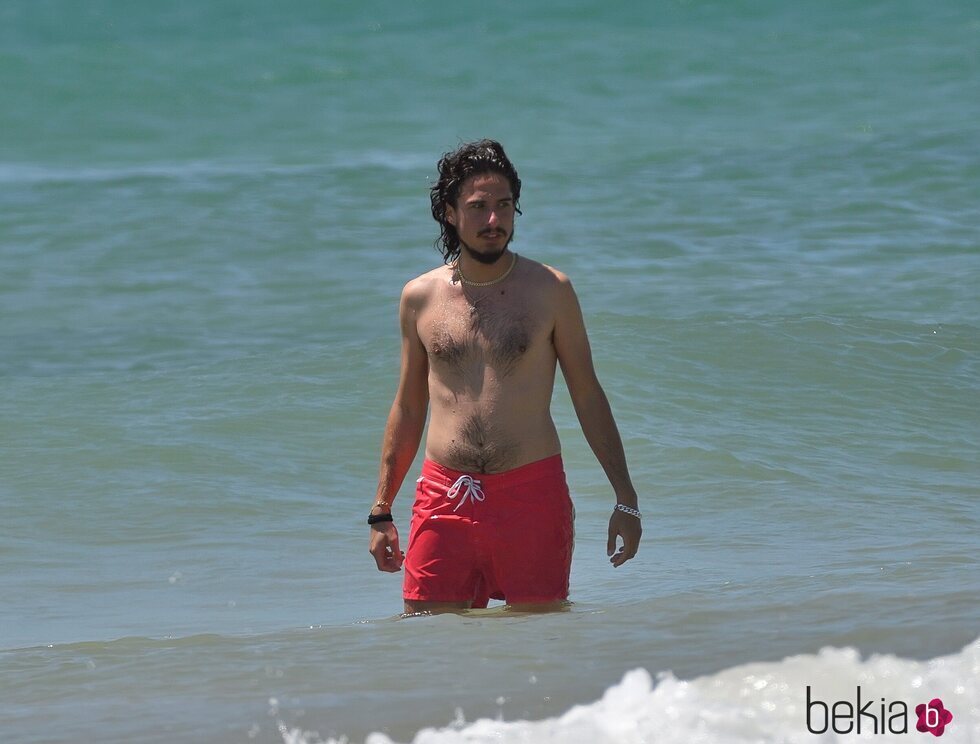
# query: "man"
480,339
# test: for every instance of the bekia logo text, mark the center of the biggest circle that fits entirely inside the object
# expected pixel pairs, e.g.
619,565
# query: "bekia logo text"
869,716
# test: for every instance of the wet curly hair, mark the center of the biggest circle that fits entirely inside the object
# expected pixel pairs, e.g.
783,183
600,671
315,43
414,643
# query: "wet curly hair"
469,159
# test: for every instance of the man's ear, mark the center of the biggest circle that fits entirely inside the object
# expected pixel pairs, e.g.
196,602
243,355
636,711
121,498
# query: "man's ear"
451,215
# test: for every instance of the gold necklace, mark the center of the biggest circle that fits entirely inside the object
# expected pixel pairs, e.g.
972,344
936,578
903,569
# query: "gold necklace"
468,283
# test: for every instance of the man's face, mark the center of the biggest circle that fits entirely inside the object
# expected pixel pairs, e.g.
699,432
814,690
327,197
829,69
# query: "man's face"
483,216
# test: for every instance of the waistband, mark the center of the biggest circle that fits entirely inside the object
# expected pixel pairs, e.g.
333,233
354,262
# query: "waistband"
549,466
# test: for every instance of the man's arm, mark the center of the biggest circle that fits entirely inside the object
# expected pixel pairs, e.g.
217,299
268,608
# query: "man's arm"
595,416
403,432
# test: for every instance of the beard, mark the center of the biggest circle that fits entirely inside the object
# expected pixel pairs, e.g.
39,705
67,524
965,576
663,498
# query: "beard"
487,258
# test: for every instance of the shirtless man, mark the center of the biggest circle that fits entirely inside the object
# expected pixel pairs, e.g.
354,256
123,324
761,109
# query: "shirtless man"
481,337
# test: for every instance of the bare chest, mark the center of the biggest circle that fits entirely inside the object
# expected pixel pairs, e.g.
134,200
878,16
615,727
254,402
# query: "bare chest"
467,332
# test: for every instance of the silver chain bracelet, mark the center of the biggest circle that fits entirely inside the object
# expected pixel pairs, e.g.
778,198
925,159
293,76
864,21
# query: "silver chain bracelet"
629,510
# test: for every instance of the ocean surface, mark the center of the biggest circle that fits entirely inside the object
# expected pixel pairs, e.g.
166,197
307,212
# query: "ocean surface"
771,214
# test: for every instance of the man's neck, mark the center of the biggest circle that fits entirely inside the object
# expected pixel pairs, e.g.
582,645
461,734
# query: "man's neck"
475,271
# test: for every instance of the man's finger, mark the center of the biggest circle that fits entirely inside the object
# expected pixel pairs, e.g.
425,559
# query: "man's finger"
395,553
379,557
387,560
627,552
382,552
621,557
611,542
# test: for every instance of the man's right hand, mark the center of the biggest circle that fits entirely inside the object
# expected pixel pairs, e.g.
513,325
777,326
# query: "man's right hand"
384,547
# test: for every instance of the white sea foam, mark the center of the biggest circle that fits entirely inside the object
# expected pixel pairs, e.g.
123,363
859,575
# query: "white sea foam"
34,174
759,702
30,174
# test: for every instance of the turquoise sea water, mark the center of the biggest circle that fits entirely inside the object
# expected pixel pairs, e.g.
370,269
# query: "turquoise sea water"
207,211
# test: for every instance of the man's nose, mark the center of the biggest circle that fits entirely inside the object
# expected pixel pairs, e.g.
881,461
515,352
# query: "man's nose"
493,219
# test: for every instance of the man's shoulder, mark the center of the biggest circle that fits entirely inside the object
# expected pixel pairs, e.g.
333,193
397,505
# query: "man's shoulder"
544,275
422,286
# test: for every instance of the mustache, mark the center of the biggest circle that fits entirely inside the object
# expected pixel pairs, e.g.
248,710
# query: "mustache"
491,231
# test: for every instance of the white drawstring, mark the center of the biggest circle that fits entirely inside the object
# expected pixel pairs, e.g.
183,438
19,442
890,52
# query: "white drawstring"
472,486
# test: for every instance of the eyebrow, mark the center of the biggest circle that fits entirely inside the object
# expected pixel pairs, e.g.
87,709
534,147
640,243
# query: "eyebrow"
480,199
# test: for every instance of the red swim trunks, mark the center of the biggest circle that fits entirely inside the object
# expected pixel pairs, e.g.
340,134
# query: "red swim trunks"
502,535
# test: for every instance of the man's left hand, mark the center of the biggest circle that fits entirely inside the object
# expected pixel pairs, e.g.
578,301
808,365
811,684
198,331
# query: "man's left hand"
628,528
